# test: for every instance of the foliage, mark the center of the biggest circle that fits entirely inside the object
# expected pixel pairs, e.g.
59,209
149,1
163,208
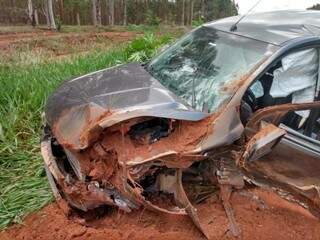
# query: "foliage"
142,49
315,7
58,23
198,22
23,184
152,19
141,28
138,12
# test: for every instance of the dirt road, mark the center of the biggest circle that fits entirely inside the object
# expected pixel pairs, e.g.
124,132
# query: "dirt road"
280,220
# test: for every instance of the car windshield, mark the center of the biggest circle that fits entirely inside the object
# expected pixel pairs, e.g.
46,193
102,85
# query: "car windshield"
201,64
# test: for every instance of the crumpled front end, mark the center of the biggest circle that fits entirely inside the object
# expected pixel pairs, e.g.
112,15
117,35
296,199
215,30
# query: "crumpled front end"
124,146
128,164
123,155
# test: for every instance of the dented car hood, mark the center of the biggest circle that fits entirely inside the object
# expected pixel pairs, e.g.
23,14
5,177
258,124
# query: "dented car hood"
92,102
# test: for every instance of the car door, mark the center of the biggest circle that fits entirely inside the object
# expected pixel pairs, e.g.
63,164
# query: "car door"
278,156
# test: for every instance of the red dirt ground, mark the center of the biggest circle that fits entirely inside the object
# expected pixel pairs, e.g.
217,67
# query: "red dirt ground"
9,39
280,220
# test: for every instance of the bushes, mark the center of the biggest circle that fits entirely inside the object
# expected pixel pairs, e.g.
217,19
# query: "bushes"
142,49
152,19
198,22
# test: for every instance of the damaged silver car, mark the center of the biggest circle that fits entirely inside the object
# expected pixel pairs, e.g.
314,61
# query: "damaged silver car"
232,103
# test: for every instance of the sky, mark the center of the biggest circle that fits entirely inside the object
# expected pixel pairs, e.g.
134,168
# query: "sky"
270,5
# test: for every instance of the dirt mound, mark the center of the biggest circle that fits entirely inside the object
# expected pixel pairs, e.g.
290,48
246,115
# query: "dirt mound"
279,220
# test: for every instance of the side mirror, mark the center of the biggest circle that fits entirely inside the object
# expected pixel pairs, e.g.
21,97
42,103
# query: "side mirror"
261,143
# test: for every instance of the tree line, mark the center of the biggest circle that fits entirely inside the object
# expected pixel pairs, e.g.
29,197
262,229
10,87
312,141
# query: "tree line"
315,7
113,12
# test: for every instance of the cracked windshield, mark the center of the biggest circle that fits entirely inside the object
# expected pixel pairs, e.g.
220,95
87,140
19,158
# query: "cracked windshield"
197,67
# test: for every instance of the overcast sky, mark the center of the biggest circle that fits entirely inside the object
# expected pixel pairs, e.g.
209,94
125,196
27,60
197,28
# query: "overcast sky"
269,5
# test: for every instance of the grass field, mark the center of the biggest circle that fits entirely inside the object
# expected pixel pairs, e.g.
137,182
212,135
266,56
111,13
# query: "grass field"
24,88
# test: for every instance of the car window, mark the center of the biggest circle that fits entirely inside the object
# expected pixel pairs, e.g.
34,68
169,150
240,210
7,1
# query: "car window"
293,79
201,64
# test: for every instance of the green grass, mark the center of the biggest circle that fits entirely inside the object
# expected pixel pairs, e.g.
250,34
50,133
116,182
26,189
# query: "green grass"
162,28
23,93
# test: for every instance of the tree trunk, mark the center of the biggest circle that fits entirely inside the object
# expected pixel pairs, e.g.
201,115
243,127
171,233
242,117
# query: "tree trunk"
51,15
111,12
203,9
107,12
125,17
30,10
36,17
191,11
78,19
187,12
94,12
99,12
45,12
61,9
183,12
165,11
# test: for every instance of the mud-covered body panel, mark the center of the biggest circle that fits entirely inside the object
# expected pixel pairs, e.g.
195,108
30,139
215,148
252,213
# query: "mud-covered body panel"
110,96
117,136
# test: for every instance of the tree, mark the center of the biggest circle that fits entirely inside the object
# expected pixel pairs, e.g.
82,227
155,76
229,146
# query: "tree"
36,17
125,15
191,11
61,6
315,7
99,12
30,10
183,12
115,11
165,10
77,8
94,12
203,9
50,15
111,12
45,12
78,19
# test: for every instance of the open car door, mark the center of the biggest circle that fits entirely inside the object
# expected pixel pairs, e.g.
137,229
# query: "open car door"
283,158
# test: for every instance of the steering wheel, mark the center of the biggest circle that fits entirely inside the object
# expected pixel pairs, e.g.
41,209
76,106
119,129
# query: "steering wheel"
250,99
248,106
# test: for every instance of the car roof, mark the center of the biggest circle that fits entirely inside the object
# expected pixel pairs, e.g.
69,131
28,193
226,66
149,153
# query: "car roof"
277,27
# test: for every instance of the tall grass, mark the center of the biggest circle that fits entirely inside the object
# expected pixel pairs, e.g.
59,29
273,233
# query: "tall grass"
23,93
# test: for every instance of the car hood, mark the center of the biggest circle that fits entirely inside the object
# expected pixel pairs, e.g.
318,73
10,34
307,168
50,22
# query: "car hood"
109,96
